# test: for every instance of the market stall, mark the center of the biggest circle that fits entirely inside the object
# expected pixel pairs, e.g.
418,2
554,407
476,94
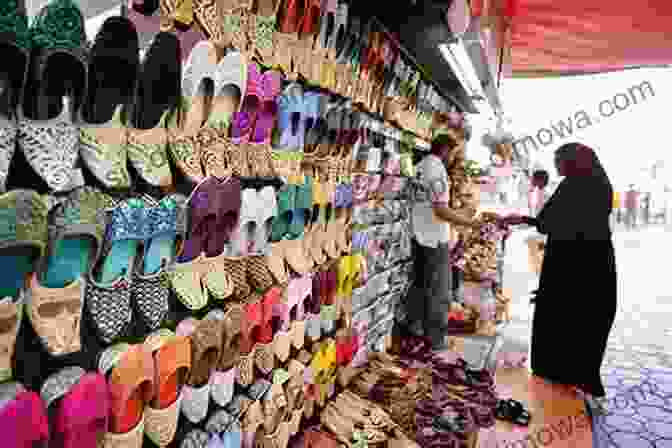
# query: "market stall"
209,247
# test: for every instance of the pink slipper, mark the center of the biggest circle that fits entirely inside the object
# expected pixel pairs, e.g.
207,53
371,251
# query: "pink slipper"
82,415
23,421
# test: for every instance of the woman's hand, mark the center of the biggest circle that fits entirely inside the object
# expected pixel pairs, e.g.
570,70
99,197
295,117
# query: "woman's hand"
513,220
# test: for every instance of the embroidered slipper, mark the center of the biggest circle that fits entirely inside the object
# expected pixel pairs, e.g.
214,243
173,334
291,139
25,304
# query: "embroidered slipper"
24,421
172,362
251,423
10,322
52,99
198,84
126,228
23,237
233,322
102,134
82,414
236,25
76,231
56,314
263,29
155,110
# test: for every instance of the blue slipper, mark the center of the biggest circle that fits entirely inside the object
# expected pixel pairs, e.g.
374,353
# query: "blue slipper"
76,230
126,229
167,225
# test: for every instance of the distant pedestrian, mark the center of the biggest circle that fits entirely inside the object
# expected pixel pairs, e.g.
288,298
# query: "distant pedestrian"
616,214
631,207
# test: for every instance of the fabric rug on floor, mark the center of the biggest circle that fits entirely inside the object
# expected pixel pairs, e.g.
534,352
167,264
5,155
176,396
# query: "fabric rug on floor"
639,388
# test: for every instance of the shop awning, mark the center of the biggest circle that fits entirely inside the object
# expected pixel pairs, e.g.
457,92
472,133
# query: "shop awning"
551,37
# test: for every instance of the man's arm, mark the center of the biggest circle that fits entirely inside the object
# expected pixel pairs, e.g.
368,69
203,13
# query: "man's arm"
445,213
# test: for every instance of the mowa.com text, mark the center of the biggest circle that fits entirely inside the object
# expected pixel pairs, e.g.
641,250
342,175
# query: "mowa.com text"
581,119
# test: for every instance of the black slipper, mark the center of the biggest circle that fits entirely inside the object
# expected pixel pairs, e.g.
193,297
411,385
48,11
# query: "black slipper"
58,65
14,52
113,70
159,85
513,411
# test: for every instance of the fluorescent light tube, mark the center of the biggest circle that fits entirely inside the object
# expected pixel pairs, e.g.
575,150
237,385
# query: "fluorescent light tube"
460,62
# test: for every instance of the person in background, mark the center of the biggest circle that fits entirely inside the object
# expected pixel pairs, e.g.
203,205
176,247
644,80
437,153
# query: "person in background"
429,299
537,197
578,278
617,208
646,206
631,207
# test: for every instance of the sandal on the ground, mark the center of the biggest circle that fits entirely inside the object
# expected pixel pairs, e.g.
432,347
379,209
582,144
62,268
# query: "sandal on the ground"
513,411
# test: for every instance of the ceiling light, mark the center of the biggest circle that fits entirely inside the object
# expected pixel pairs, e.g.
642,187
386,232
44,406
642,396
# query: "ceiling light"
460,63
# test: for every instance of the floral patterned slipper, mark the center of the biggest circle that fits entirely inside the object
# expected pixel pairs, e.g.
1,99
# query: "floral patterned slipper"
102,133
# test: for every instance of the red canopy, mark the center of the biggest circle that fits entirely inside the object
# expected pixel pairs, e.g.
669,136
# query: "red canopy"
584,36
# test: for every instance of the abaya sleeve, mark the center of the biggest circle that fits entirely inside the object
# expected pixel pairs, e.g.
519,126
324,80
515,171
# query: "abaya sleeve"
574,210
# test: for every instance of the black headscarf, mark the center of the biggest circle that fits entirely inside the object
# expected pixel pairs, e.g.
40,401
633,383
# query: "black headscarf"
583,201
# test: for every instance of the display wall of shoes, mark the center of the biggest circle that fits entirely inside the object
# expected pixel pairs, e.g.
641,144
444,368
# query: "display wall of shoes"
185,229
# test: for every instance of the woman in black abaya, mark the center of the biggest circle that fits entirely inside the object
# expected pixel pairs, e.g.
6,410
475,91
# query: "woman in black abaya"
576,301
